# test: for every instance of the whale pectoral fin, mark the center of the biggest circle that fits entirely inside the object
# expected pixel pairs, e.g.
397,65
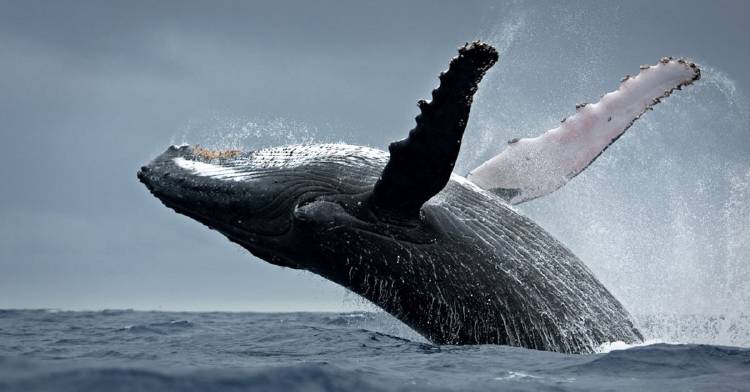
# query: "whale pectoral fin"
421,165
344,215
534,167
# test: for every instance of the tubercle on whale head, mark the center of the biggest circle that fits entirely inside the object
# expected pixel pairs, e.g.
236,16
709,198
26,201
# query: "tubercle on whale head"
215,154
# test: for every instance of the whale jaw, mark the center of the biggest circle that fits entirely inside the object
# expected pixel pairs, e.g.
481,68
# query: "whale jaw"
248,213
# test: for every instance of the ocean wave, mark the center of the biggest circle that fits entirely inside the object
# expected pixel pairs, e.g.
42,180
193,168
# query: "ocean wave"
160,328
306,377
667,361
349,318
156,351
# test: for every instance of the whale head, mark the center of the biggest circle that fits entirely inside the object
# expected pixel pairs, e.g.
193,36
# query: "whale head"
251,197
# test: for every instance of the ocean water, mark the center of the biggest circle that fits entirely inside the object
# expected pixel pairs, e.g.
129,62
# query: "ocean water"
43,350
661,219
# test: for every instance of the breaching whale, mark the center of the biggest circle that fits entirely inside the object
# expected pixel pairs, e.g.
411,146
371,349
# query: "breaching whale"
447,255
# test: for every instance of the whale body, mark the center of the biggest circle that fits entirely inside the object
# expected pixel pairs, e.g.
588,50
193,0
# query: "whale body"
452,260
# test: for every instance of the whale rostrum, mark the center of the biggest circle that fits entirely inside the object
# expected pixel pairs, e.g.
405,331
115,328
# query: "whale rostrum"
446,255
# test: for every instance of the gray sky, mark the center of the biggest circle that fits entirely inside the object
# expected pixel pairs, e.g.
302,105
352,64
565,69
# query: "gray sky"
91,91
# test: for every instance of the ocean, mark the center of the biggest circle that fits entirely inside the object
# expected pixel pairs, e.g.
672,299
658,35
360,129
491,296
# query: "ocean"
125,350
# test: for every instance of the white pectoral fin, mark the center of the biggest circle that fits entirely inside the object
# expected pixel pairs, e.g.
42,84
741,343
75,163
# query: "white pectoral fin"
533,167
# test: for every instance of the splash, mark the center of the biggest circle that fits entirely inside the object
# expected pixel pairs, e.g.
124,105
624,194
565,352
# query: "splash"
620,345
224,132
662,216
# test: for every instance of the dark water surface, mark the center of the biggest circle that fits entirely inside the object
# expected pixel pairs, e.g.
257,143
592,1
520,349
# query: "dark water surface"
171,351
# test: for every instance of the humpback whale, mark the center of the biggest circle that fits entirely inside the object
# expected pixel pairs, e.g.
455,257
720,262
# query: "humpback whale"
449,256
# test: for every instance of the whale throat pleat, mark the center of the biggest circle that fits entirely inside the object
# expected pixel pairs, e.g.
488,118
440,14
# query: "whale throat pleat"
532,167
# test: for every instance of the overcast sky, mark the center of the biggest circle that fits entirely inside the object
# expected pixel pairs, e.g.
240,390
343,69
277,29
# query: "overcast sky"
90,91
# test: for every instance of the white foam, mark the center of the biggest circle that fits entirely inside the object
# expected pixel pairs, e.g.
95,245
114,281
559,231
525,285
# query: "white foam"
620,345
517,376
